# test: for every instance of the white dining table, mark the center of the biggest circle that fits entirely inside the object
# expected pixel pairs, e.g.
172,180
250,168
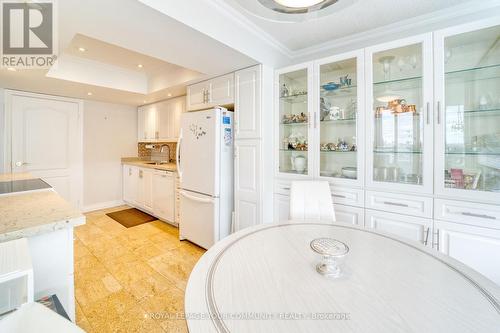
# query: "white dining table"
264,279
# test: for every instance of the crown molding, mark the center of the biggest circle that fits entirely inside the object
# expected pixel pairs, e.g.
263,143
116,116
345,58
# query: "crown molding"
238,18
413,24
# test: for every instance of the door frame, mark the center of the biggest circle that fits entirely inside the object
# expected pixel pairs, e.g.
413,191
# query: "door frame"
7,140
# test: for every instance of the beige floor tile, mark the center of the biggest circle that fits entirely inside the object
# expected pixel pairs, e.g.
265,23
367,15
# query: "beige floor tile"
150,286
123,275
174,326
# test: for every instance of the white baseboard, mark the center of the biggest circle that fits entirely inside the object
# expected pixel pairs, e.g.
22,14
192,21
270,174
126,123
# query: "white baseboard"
102,205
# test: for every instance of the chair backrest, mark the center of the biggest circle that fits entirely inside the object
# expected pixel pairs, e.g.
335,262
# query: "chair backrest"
311,200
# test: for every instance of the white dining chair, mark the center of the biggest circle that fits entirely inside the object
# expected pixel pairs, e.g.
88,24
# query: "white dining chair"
311,200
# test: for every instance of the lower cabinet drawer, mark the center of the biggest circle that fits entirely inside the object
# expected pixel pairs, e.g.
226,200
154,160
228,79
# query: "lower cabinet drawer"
399,203
402,226
350,215
468,213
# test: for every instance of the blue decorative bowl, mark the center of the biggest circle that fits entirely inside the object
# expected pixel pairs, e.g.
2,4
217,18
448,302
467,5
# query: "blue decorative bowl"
331,86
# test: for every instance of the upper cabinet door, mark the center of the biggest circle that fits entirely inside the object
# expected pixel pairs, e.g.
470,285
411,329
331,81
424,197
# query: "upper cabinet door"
295,121
248,103
147,123
169,116
340,106
197,96
221,91
468,111
399,124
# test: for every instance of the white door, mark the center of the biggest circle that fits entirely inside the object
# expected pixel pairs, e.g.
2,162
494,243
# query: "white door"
147,183
248,103
406,227
351,215
247,183
399,126
199,156
281,208
198,216
163,195
151,128
197,96
164,120
46,140
221,90
130,179
141,124
476,247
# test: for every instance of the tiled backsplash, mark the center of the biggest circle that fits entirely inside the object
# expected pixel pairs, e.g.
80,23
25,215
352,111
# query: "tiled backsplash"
145,153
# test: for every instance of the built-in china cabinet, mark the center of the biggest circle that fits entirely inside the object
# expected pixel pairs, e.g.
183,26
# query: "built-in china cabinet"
408,135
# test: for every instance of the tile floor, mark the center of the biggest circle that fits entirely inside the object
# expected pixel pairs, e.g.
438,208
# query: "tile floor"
122,276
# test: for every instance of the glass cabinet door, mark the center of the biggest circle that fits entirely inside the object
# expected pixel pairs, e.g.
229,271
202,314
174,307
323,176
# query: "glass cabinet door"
400,117
338,119
471,111
294,122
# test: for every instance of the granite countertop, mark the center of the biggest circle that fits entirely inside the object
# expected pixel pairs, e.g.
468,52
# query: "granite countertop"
136,161
27,214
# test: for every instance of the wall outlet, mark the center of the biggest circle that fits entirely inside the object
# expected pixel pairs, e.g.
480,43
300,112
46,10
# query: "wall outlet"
150,146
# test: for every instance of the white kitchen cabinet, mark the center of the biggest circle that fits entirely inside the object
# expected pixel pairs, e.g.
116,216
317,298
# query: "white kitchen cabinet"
281,208
160,122
197,96
163,195
145,189
467,98
476,247
405,227
400,203
399,125
130,182
169,119
248,103
215,92
147,123
247,184
221,90
350,215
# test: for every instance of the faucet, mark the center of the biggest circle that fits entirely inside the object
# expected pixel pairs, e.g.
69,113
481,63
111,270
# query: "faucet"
161,151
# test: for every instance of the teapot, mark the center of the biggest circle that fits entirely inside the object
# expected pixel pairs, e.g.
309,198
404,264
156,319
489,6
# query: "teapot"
299,163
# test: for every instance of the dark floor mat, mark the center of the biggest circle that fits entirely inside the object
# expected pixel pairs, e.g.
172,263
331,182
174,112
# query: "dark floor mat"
131,217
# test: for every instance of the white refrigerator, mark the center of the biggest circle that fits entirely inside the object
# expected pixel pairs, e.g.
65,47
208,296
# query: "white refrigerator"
205,167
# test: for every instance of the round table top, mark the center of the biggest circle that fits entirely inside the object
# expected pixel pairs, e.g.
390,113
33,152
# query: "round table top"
263,279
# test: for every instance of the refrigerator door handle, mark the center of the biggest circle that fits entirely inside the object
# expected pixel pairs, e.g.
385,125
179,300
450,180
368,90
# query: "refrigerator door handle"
177,155
191,197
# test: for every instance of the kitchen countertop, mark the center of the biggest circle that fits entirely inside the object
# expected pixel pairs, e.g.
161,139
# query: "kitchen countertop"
136,161
27,214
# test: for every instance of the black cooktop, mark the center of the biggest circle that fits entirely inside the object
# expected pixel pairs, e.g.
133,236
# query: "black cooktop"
23,186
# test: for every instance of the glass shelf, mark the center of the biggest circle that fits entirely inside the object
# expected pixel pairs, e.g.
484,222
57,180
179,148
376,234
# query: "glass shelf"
473,153
472,112
299,98
407,79
376,151
475,74
337,152
294,124
342,91
339,121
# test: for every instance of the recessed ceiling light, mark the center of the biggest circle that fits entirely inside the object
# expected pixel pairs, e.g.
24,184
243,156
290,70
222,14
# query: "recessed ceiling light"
82,49
140,65
298,3
144,101
89,93
12,69
297,6
169,95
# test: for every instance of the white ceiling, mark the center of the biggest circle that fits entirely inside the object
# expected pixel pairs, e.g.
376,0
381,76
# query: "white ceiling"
357,17
119,34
